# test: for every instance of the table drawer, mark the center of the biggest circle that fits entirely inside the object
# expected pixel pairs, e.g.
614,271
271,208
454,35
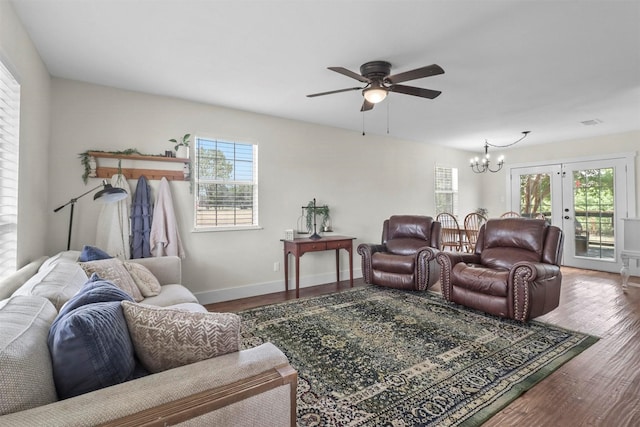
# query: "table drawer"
313,246
339,244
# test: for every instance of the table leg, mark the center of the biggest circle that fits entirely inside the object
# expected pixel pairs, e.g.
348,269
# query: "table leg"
337,266
624,272
286,270
350,250
297,276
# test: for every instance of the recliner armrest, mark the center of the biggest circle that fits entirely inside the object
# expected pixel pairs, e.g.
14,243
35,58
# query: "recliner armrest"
366,250
429,252
456,257
534,270
370,248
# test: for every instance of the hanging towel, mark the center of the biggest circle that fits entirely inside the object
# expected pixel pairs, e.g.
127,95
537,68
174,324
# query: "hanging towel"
165,238
141,215
112,234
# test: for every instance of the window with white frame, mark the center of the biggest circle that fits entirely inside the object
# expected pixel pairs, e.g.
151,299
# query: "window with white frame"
9,127
226,184
446,190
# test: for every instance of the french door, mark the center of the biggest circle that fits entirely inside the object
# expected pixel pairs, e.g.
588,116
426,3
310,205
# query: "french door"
586,199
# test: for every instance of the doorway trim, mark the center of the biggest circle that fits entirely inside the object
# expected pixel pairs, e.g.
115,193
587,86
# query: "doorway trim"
630,164
628,161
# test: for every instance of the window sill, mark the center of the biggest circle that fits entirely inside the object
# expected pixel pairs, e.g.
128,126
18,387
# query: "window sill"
217,229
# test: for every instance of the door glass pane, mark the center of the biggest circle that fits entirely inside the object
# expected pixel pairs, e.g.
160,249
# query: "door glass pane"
593,201
535,195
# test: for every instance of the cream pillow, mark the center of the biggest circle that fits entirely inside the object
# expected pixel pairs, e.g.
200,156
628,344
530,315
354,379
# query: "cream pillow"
145,280
165,338
113,270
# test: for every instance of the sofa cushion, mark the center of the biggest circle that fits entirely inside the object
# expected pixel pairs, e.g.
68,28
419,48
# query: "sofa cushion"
90,349
405,245
522,233
145,280
69,257
171,295
95,290
477,278
391,263
412,226
165,338
56,281
92,253
25,366
12,282
113,270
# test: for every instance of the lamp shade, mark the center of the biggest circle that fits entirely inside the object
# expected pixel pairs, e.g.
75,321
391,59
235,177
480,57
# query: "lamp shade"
375,94
110,194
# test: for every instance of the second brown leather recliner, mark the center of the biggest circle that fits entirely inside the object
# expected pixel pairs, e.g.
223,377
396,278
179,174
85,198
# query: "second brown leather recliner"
514,271
405,259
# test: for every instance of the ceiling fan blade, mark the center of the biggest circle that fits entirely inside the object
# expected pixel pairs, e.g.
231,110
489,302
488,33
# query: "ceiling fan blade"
418,73
350,73
333,91
366,106
415,91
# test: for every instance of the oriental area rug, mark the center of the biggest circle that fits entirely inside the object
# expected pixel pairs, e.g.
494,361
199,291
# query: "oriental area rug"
375,356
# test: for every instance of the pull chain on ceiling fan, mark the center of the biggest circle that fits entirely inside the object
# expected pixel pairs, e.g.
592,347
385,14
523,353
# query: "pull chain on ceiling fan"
379,83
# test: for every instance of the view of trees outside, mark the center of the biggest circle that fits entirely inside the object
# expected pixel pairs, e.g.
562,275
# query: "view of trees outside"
535,195
594,204
593,198
225,183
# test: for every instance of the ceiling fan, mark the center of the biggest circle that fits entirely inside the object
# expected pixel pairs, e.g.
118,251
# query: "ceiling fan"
379,83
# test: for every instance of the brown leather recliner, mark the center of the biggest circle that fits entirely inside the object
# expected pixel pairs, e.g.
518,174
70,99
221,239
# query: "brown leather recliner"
406,257
514,271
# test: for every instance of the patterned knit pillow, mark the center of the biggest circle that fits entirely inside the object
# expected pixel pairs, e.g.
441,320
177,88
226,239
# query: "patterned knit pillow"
145,280
113,270
165,338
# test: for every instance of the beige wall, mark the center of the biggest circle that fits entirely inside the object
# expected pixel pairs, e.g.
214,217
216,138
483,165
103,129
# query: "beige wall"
363,179
20,56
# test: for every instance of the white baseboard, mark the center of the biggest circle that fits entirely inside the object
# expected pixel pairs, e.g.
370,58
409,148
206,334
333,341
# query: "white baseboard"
228,294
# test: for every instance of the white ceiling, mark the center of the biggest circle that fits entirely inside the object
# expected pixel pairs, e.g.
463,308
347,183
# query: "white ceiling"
510,66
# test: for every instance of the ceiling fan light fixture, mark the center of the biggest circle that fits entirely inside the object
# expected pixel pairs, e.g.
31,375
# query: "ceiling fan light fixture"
375,94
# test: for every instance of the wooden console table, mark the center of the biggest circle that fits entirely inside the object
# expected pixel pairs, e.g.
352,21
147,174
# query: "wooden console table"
299,247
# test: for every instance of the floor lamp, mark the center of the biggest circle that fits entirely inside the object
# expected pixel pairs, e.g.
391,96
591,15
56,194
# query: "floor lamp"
108,194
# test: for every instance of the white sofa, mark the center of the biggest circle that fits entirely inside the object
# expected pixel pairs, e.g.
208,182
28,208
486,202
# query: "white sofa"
255,386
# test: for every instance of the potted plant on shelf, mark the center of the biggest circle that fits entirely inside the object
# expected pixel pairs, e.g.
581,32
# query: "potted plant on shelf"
182,147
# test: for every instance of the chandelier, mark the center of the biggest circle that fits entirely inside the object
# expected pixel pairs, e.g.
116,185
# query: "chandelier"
483,165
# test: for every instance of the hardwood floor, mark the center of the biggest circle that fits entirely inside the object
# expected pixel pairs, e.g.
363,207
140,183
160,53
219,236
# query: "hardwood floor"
599,387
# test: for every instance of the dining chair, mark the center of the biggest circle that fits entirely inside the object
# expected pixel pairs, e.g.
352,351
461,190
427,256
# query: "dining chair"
510,214
451,235
472,224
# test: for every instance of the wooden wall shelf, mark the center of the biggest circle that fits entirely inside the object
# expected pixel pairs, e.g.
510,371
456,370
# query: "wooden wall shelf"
137,157
135,173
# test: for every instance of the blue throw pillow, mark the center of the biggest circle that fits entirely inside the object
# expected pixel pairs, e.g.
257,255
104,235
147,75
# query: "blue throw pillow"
94,290
91,253
90,349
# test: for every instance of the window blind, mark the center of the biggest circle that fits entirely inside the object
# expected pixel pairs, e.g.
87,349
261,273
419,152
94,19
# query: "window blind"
446,190
9,127
226,179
